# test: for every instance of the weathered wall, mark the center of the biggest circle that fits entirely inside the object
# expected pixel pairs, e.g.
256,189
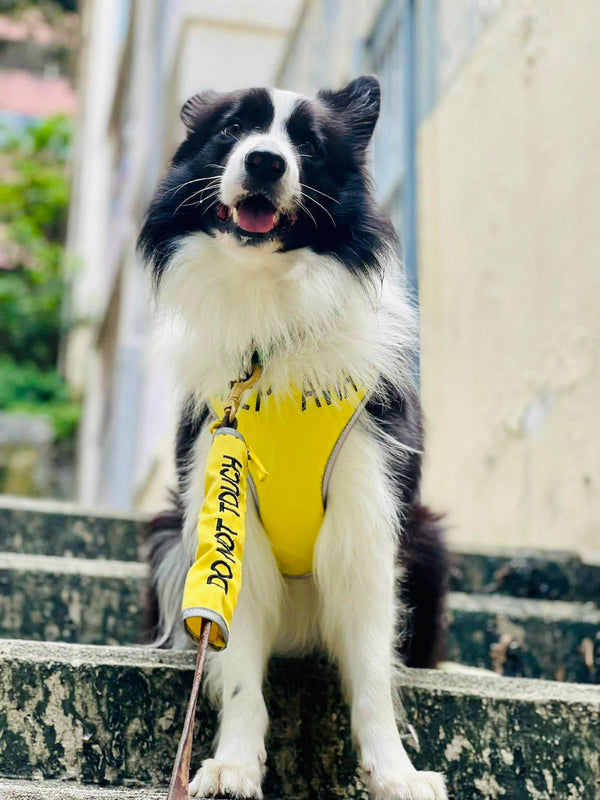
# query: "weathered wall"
509,170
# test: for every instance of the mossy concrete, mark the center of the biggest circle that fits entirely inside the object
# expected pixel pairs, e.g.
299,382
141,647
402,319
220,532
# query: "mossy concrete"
51,528
554,640
102,723
97,601
113,716
61,529
535,574
89,601
55,790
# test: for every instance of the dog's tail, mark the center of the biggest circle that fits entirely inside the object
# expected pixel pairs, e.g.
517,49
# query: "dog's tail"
168,570
426,565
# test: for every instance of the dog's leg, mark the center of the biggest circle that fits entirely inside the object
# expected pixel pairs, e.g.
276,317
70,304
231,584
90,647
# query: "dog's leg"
236,676
355,573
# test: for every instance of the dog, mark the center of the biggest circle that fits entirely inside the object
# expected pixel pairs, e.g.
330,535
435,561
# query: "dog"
265,239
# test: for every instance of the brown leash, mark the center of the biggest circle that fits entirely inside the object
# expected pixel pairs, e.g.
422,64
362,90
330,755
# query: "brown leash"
180,779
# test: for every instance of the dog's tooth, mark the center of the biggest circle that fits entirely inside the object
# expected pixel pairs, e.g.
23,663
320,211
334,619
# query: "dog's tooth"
276,218
234,214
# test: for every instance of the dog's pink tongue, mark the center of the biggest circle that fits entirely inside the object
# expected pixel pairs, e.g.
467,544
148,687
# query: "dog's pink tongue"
256,216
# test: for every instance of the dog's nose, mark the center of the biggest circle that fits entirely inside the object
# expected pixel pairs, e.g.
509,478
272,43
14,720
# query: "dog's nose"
265,166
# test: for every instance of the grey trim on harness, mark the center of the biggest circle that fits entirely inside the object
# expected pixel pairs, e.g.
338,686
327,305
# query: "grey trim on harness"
206,613
296,577
330,464
338,446
253,492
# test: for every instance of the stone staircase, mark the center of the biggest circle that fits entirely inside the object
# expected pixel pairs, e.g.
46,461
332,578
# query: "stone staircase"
85,714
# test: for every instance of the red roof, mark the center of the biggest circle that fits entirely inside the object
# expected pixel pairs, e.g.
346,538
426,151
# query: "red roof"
34,95
31,25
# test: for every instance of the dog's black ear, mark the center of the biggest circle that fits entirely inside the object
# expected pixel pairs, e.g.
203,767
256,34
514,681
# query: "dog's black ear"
196,108
359,103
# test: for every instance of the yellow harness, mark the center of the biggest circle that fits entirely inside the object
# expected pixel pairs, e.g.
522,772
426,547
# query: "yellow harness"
296,438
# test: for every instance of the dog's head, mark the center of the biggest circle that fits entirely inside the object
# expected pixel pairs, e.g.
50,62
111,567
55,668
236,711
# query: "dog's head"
272,169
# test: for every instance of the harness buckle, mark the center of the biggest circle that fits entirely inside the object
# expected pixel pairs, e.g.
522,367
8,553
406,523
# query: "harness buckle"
232,404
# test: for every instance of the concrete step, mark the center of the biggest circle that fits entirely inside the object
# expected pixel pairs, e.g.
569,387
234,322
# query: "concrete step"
90,601
46,527
548,639
50,528
55,790
113,715
96,601
535,574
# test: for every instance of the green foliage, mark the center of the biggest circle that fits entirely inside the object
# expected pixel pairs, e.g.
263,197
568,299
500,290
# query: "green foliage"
12,6
34,195
24,387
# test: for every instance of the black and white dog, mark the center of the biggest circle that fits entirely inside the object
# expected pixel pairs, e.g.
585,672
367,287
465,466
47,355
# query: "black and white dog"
265,237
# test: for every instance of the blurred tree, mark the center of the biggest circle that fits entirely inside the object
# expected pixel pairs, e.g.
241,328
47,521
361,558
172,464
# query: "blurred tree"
34,193
17,5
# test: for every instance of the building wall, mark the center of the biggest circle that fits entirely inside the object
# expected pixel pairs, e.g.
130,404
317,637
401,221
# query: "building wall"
325,50
509,277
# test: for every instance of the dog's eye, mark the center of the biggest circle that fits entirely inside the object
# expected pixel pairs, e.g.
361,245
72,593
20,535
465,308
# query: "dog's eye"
308,149
233,129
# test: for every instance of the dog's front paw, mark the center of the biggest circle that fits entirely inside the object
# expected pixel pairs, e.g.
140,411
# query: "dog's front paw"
408,786
221,779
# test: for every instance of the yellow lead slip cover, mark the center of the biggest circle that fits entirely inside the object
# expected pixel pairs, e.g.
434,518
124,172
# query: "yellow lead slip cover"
214,580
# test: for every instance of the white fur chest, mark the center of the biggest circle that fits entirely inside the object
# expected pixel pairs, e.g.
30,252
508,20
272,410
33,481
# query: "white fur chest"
310,318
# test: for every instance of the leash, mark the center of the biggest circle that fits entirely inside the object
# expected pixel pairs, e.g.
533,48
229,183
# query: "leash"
180,779
213,613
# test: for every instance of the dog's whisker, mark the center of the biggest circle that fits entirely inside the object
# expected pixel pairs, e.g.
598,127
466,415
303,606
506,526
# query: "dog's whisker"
205,199
306,211
308,197
216,185
194,180
186,202
214,203
318,191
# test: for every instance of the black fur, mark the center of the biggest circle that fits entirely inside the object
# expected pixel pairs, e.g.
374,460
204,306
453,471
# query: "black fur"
422,553
424,558
162,533
400,417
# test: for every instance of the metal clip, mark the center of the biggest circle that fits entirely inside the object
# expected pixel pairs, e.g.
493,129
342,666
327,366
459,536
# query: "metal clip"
238,388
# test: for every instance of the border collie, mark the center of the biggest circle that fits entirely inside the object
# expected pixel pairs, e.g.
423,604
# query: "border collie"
265,237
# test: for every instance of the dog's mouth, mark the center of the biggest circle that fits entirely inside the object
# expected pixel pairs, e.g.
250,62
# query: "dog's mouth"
255,216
